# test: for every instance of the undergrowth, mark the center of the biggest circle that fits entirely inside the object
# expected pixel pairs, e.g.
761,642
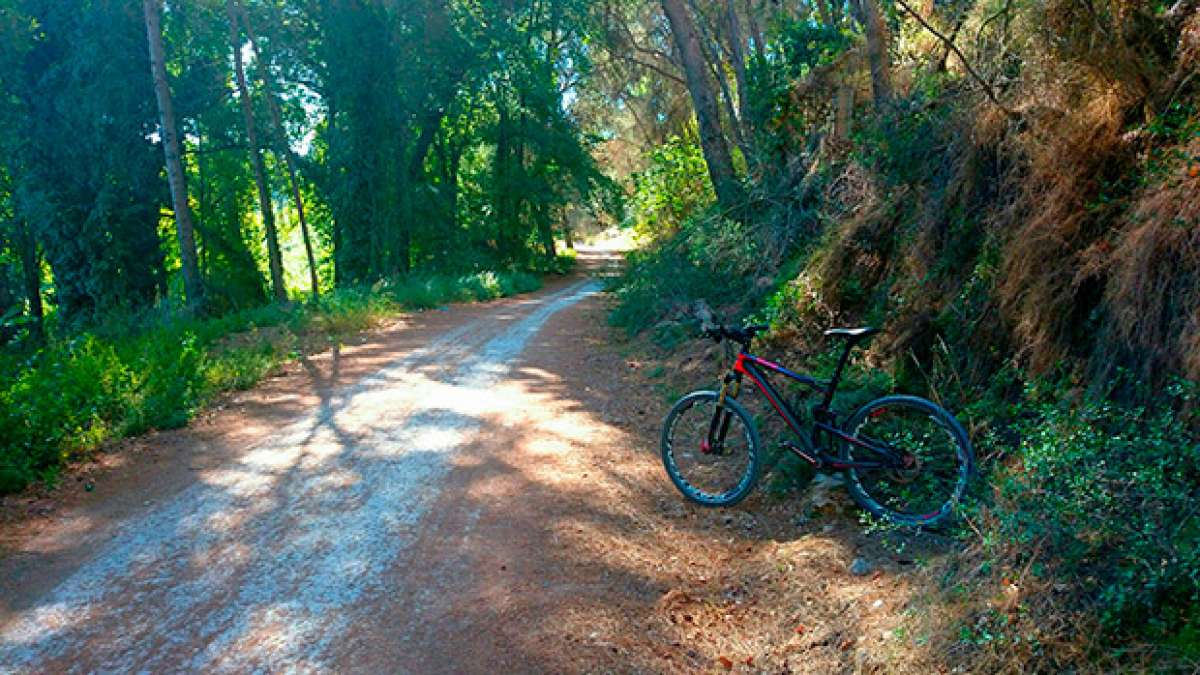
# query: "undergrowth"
1034,271
1093,504
156,369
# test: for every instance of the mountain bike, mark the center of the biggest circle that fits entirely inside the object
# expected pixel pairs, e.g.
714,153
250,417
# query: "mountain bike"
905,459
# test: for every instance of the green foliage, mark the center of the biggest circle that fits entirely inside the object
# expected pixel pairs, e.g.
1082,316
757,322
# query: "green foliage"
797,48
671,190
804,45
906,144
692,252
710,259
436,137
91,184
1103,496
429,292
453,146
563,263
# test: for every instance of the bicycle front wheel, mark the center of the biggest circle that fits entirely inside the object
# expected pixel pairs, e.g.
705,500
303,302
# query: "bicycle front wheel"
711,451
937,456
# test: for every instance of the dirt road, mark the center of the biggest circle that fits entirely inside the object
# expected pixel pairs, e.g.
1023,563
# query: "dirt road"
470,490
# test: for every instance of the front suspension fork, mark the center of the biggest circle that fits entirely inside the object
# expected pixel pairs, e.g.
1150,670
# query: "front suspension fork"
718,427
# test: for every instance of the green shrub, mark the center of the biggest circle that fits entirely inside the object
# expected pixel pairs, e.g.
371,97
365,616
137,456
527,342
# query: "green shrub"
169,385
512,283
671,190
240,369
711,259
349,311
1110,493
429,292
563,263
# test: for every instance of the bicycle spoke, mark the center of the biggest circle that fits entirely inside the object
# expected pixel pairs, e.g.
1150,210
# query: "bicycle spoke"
932,467
710,451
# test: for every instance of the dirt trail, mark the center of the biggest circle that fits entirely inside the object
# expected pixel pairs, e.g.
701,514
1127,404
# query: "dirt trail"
473,490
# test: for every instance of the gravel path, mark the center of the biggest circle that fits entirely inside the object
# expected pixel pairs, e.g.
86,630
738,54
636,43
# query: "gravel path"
268,561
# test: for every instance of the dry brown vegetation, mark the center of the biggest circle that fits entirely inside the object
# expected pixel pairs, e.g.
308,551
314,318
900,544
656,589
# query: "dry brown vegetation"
1086,199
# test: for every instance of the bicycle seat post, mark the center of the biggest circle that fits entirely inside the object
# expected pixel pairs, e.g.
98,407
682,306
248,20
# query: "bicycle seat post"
852,336
837,374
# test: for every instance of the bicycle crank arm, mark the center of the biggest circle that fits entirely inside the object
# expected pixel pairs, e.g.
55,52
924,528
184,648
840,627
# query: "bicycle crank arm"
816,461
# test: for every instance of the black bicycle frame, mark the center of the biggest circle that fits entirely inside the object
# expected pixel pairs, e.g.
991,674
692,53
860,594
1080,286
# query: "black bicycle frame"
823,417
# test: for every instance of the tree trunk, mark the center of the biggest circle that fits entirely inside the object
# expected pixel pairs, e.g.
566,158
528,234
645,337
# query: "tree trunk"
756,33
452,171
274,258
502,195
404,236
448,156
704,99
31,274
878,57
283,149
192,282
843,110
202,246
737,53
520,197
430,124
825,13
738,56
546,233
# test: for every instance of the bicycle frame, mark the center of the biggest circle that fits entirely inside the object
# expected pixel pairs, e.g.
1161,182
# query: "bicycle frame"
824,419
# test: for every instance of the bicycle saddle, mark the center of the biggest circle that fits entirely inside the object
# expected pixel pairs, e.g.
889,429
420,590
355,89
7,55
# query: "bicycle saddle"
852,333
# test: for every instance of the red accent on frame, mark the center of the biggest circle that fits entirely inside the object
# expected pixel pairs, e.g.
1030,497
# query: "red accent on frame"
770,364
740,366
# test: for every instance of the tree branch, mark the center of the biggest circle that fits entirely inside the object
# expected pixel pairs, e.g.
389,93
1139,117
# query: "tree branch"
987,88
650,66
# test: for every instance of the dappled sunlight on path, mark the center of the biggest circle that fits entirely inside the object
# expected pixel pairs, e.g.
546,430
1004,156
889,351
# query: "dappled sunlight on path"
269,560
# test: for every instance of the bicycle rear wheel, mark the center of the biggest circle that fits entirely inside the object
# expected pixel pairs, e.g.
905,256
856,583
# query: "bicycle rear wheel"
709,467
935,446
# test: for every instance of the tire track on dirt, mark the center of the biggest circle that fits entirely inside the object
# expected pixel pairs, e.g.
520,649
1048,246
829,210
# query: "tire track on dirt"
268,562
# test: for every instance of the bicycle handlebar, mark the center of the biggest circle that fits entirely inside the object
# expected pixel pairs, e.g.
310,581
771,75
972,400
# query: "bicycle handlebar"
743,336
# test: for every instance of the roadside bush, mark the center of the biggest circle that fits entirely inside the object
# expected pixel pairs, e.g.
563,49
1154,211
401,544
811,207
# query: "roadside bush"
563,263
672,189
1109,494
428,292
711,259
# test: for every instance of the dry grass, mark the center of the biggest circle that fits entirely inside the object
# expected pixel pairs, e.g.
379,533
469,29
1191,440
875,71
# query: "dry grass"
1153,271
1088,250
1072,152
